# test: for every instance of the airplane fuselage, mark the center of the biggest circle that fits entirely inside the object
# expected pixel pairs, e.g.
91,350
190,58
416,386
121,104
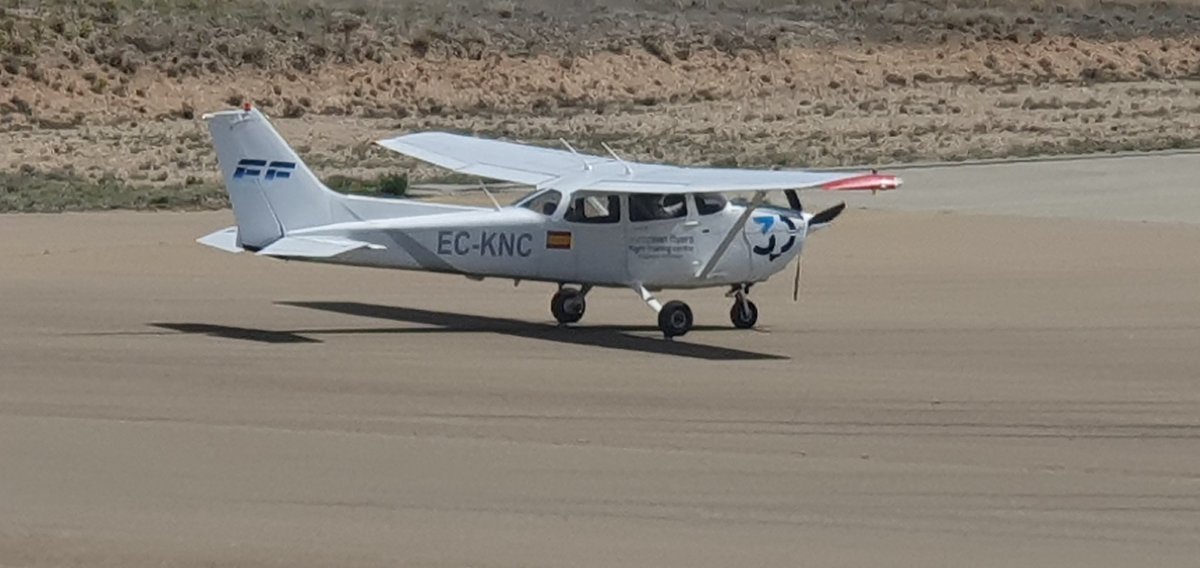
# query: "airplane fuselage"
518,243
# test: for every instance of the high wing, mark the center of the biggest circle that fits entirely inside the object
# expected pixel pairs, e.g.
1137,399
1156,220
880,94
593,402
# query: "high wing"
569,171
530,165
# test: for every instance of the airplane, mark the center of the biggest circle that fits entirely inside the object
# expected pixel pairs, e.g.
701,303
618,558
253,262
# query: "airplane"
589,221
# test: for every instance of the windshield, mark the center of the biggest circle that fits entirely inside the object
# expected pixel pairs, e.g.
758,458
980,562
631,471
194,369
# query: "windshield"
709,203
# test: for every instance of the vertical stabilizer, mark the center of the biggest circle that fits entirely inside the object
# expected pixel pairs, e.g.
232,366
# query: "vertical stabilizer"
270,188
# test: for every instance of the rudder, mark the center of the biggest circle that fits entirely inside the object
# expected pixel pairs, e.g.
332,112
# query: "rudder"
271,190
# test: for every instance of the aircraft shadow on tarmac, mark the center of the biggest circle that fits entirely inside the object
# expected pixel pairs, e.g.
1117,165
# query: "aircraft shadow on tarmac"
611,337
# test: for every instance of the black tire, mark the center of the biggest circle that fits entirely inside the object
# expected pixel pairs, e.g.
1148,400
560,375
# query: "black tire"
675,319
568,305
743,317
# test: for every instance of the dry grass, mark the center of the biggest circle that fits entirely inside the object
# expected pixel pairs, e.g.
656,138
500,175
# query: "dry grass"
740,82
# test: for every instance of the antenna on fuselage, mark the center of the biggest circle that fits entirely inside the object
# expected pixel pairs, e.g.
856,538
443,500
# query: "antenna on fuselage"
628,170
586,165
483,186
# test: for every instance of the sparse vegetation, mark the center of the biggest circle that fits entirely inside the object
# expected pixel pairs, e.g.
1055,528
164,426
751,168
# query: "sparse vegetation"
118,86
385,185
33,191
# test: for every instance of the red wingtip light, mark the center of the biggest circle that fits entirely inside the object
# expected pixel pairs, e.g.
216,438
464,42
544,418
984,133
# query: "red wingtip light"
246,106
868,182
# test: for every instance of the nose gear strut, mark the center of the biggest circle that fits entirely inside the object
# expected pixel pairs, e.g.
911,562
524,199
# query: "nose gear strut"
743,314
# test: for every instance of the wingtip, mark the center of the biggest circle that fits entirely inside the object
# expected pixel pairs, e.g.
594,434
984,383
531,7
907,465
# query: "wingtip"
866,182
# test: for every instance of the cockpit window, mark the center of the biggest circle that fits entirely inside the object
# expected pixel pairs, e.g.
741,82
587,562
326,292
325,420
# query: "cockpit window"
544,202
709,203
594,209
653,206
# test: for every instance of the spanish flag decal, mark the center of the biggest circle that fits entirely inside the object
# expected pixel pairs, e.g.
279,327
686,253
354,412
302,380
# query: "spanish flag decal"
558,240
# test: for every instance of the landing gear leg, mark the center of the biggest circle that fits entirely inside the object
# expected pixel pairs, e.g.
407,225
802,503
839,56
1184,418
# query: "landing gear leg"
569,304
743,314
674,317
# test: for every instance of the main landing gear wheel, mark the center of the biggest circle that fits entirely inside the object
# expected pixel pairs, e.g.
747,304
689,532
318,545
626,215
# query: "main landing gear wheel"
568,305
675,319
743,314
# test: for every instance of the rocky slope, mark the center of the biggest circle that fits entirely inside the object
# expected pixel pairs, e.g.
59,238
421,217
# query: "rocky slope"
111,90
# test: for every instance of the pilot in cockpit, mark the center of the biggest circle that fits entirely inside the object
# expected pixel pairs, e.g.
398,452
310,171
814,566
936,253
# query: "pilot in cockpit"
651,206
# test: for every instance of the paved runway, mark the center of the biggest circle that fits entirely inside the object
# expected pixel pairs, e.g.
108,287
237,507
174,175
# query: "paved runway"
953,389
1154,187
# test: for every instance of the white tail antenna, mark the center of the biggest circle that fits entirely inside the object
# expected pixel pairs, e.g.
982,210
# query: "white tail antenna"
483,186
628,170
586,165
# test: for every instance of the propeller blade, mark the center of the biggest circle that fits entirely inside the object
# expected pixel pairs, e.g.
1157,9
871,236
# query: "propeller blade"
827,215
796,281
793,200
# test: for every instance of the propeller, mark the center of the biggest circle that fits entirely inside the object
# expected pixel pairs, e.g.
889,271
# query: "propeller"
873,182
828,215
793,200
796,280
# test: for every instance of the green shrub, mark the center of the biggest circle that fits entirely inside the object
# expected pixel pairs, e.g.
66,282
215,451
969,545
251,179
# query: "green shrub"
393,184
386,185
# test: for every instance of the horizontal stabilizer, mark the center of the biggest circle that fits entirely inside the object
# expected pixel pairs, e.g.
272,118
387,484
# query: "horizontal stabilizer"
226,239
314,247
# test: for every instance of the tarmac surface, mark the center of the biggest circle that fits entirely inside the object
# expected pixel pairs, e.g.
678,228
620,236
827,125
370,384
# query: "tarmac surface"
963,383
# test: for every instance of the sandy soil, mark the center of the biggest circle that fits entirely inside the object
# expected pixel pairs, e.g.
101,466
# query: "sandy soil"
952,389
737,82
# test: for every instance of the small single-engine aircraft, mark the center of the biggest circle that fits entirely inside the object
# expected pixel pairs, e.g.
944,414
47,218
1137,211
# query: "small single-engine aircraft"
590,221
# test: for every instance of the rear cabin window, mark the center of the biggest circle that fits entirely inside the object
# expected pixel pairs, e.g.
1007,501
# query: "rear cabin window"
545,202
655,206
594,209
709,203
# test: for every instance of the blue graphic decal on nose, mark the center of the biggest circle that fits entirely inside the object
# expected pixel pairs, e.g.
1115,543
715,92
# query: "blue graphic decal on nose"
769,250
766,222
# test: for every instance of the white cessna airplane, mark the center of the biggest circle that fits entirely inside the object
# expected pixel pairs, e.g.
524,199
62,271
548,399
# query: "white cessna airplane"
590,221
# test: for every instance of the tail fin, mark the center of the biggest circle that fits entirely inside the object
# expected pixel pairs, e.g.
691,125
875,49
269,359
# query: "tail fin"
272,192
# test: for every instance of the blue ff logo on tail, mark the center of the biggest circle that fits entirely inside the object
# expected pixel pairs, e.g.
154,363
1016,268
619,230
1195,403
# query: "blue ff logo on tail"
254,168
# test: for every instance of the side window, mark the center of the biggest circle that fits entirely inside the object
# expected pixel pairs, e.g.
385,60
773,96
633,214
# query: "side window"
654,206
709,203
545,202
594,209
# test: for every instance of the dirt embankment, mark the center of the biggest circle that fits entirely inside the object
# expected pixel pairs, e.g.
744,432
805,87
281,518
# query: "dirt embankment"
111,90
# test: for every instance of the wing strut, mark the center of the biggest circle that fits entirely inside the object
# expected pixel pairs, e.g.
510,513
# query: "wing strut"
757,200
483,186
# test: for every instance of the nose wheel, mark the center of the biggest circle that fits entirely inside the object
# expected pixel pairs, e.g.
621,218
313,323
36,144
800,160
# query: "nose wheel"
743,314
568,305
